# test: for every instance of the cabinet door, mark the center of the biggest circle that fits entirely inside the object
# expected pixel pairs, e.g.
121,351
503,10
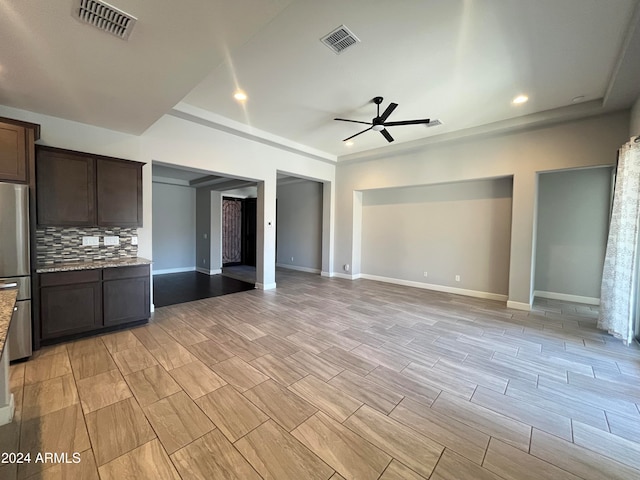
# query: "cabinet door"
119,193
69,309
126,300
13,153
65,188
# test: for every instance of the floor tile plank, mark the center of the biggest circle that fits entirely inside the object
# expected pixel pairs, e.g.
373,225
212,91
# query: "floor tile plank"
346,452
274,453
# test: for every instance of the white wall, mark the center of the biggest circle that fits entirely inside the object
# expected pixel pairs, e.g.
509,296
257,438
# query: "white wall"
174,228
299,225
445,230
573,223
521,154
634,124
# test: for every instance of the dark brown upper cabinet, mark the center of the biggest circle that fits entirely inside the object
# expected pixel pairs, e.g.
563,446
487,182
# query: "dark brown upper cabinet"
65,188
81,189
119,193
16,145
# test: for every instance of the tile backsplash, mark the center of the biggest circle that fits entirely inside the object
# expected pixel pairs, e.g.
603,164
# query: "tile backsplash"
64,244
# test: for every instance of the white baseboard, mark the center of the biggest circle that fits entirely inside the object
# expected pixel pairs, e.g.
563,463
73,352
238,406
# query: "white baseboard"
437,288
152,308
566,297
297,268
518,305
347,276
174,270
268,286
327,274
7,411
206,271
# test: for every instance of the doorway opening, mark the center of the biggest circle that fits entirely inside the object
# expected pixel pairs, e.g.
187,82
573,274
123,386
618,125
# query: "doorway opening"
187,235
239,236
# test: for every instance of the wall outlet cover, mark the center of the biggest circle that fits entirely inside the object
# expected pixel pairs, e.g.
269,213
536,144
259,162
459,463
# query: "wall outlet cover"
134,240
90,241
112,240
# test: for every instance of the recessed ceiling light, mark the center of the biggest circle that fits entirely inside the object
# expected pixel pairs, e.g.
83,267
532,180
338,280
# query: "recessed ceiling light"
349,143
520,99
240,96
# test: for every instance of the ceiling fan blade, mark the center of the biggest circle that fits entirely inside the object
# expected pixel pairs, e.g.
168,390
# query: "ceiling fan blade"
386,135
407,122
349,138
388,111
352,121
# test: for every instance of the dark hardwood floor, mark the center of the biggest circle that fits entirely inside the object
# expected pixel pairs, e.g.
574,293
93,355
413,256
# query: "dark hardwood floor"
175,288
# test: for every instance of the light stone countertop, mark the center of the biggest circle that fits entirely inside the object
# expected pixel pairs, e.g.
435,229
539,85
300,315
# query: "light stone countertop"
7,302
107,263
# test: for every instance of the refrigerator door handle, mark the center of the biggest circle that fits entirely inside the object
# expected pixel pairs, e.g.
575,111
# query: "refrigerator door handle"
8,285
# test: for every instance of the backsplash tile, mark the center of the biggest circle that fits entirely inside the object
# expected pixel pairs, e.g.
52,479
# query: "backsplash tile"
64,244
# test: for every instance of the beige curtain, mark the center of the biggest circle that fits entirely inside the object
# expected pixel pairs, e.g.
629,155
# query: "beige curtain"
620,274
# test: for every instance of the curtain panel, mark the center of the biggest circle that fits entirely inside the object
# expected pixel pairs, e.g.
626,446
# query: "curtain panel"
620,273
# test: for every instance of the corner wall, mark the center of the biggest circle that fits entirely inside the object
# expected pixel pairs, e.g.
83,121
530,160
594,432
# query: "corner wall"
521,154
174,228
299,224
573,223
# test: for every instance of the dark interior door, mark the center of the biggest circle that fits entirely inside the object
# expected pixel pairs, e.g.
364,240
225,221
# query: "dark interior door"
249,220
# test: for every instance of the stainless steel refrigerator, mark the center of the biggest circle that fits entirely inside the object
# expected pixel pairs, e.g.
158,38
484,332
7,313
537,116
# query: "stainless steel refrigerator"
15,265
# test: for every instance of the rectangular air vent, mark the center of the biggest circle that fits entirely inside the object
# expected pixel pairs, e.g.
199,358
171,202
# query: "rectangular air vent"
105,17
340,39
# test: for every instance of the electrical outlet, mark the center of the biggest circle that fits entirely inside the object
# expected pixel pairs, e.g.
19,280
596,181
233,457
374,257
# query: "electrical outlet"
134,240
346,267
204,261
457,278
90,241
204,235
425,275
115,240
292,259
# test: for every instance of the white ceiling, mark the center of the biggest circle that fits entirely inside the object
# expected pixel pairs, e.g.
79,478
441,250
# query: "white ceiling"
461,61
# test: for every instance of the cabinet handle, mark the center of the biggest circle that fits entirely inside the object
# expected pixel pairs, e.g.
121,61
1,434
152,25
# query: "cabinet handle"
8,285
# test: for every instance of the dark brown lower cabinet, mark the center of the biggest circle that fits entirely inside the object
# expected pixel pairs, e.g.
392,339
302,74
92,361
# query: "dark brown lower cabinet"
81,302
72,308
125,299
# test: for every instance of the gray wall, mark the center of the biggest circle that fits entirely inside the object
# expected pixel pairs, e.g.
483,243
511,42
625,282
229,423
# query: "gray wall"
299,225
634,124
203,228
446,230
521,154
174,227
573,219
216,231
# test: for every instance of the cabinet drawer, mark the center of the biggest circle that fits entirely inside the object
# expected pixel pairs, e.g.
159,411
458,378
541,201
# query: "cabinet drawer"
115,273
68,278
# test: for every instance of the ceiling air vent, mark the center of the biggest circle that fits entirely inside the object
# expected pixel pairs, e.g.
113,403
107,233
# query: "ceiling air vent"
340,39
105,17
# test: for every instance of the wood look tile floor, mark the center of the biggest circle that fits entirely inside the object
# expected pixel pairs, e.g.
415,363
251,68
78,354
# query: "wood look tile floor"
332,379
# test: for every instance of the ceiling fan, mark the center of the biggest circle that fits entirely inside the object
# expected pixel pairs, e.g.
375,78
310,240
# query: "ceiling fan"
379,123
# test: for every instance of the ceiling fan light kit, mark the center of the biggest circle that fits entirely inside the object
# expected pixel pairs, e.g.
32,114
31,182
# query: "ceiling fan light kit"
379,123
